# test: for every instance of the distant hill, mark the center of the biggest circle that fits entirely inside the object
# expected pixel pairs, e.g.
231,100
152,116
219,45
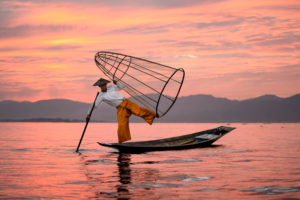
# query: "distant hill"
195,108
206,108
52,110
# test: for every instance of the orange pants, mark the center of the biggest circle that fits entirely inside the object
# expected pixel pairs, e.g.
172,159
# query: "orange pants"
124,111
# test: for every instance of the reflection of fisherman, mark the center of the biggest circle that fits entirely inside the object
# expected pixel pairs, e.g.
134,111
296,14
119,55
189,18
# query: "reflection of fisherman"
124,107
125,176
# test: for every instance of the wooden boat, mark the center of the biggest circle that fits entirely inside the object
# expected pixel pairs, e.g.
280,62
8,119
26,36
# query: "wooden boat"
194,140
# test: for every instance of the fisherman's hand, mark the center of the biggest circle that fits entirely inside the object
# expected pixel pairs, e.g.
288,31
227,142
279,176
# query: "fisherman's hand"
115,82
88,117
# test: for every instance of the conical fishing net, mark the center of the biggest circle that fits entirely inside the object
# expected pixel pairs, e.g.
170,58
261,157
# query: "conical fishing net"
150,84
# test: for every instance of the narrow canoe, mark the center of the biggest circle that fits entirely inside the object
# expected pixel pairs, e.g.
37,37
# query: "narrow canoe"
194,140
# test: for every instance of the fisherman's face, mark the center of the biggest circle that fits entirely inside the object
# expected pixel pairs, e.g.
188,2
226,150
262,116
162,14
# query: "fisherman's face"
103,88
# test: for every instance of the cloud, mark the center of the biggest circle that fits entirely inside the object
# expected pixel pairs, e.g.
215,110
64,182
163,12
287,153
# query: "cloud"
7,49
21,59
265,21
24,60
189,56
269,39
7,13
166,41
187,43
142,29
274,74
28,30
19,93
294,7
140,3
59,47
16,90
280,80
215,46
159,3
222,23
285,39
44,48
232,21
229,55
290,67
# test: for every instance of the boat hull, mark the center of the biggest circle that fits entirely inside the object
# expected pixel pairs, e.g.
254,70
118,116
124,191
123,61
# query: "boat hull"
195,140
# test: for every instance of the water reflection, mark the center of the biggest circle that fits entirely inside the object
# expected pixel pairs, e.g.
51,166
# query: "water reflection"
125,176
116,176
94,170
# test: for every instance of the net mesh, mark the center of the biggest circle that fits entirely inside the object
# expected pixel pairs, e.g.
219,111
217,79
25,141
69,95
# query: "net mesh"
150,84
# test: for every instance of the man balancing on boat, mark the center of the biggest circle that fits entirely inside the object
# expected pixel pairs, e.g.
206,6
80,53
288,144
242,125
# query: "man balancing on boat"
124,107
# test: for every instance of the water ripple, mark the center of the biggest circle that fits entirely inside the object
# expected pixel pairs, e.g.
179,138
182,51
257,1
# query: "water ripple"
105,162
81,182
271,190
200,178
153,185
233,151
22,149
170,161
208,189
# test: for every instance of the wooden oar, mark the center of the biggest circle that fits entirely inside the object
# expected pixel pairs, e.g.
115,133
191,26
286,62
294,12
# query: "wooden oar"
87,122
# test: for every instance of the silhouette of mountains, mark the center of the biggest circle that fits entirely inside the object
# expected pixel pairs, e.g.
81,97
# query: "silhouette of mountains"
195,108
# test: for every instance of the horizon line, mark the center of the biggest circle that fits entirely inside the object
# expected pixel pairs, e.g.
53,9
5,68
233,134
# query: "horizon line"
178,98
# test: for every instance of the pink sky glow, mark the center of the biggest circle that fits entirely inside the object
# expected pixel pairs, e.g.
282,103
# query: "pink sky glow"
228,48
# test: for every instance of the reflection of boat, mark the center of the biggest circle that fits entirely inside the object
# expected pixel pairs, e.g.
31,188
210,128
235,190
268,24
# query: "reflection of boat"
195,140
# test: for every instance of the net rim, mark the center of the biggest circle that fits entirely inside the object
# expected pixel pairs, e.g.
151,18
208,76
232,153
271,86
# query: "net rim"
158,101
138,58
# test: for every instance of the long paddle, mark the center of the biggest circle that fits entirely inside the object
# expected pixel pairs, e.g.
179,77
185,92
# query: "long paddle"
90,114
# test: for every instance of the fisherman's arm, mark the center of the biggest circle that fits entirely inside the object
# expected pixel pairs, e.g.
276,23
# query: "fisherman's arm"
97,102
119,85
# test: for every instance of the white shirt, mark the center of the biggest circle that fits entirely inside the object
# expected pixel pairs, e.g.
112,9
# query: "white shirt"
111,96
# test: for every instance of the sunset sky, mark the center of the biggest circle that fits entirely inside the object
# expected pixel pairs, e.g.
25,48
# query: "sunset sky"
228,48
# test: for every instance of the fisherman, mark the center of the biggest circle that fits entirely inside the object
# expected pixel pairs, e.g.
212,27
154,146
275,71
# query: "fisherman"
124,106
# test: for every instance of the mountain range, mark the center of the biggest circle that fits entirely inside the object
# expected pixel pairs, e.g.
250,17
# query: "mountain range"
194,108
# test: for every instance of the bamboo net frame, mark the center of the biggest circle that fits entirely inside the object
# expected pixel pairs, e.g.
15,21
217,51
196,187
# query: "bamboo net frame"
150,84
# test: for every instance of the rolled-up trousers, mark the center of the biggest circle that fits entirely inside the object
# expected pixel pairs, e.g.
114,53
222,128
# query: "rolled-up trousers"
124,111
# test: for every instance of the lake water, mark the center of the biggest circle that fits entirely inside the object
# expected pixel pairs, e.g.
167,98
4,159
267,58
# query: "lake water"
255,161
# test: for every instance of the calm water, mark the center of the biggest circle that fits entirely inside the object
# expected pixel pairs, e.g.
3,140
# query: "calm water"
255,161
